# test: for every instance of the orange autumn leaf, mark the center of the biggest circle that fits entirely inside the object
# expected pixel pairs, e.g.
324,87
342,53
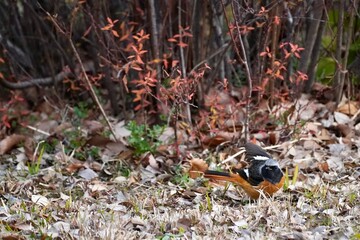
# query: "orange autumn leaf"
115,33
198,167
138,94
182,44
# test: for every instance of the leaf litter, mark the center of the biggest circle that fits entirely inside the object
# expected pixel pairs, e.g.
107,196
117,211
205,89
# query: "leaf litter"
114,194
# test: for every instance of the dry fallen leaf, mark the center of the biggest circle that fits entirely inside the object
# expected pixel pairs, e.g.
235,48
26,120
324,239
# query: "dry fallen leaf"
29,147
311,145
23,227
93,126
61,128
12,236
98,141
10,142
341,118
40,200
198,166
348,108
274,137
121,130
47,125
74,166
307,111
335,163
345,130
98,187
58,228
120,179
88,174
324,166
324,135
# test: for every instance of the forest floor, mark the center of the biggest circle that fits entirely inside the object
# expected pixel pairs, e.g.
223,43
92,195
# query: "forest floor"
80,185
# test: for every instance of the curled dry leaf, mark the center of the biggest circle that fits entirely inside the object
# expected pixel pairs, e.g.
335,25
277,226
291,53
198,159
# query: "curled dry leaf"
198,166
10,142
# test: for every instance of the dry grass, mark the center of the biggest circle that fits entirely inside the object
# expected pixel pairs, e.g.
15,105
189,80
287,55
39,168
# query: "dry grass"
323,205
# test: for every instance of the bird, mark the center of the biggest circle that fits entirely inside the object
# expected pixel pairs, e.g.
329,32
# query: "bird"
263,174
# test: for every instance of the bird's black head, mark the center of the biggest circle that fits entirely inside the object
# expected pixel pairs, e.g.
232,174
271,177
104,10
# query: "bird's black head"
272,173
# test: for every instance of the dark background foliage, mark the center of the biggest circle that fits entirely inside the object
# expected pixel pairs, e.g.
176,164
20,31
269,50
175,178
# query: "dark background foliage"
35,51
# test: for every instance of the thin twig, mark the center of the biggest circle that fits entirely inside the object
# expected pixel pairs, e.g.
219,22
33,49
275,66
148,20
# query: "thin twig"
221,50
242,61
38,130
248,75
183,65
92,92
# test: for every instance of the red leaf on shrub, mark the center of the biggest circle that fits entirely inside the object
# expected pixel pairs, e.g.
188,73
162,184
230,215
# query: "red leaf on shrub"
172,40
277,20
115,33
182,44
5,121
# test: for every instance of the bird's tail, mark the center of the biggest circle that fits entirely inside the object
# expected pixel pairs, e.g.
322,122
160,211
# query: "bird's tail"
225,176
234,178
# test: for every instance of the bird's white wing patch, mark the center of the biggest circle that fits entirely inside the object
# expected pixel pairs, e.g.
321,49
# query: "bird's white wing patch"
261,158
246,171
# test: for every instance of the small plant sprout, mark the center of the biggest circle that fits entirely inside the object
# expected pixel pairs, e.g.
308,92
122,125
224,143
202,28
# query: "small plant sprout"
34,166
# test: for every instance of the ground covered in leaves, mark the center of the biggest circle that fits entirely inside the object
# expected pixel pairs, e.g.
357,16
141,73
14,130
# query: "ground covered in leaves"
81,185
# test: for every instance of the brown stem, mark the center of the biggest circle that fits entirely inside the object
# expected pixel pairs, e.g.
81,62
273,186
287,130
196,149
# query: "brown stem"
338,83
183,65
155,41
87,81
247,70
